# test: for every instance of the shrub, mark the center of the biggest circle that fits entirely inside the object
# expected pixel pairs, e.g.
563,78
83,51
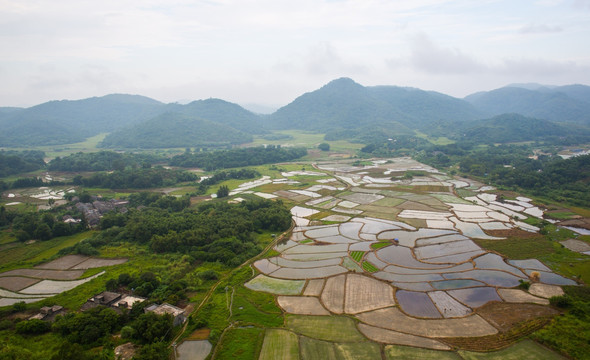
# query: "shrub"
33,327
562,301
324,147
525,285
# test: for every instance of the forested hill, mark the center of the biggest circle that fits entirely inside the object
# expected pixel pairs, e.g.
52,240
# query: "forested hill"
175,130
65,122
561,104
222,112
508,128
344,104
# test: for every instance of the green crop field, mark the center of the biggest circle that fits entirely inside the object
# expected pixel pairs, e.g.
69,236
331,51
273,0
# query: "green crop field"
398,352
380,245
357,255
23,255
523,350
240,343
317,349
280,344
361,350
329,328
369,267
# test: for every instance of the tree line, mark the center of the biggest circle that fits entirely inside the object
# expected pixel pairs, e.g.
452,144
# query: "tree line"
225,159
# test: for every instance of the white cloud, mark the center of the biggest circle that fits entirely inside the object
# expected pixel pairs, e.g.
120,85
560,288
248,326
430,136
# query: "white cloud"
541,28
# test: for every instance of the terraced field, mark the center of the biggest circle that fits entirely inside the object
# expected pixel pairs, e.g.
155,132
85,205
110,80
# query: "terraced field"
378,268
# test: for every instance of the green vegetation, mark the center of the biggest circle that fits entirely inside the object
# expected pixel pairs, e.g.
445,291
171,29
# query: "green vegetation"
395,352
380,244
357,255
102,161
240,343
525,349
276,286
15,162
237,157
23,255
324,146
317,349
329,328
136,178
369,267
173,130
280,344
569,333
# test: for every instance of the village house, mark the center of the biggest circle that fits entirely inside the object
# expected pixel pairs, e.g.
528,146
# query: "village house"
176,312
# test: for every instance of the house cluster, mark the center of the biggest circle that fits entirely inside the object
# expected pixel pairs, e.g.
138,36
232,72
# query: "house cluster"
120,301
48,313
112,299
95,210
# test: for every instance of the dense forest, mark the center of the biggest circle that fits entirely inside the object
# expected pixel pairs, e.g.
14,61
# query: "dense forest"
16,162
511,167
225,159
172,130
141,178
213,232
102,161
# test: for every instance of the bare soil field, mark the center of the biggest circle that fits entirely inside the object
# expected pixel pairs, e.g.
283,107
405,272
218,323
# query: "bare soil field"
63,263
45,274
97,262
16,283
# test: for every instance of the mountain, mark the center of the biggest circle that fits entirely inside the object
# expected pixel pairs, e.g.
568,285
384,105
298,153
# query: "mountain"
66,121
560,104
221,112
174,129
70,121
508,128
343,105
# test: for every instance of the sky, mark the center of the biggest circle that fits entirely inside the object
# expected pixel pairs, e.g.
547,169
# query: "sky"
268,52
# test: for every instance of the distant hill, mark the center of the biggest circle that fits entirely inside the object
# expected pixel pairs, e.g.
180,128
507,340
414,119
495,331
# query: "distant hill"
221,112
66,121
343,105
508,128
560,104
175,130
69,121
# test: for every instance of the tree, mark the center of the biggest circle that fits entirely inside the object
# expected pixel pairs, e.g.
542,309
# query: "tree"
34,326
156,351
324,147
223,191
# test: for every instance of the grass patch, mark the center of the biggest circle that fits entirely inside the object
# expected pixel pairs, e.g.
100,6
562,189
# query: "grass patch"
394,352
329,328
364,350
465,192
251,307
523,350
369,267
379,245
24,255
280,344
240,343
317,349
580,211
40,347
550,252
276,286
348,263
561,215
357,255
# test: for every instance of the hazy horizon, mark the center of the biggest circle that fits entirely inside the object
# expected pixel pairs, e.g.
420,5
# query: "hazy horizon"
269,52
